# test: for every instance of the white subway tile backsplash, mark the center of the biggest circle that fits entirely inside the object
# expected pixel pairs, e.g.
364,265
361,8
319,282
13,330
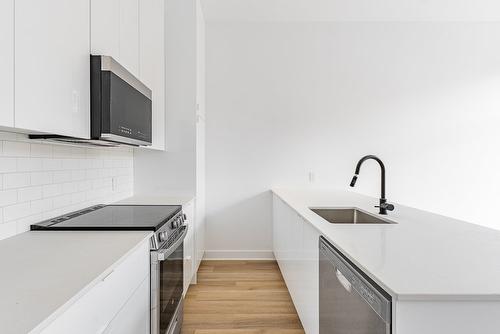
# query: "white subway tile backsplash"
9,136
41,180
78,175
42,205
29,194
16,211
78,197
8,229
92,174
70,187
16,149
73,164
52,164
41,150
61,151
8,197
61,176
29,164
84,185
51,190
61,201
8,165
16,180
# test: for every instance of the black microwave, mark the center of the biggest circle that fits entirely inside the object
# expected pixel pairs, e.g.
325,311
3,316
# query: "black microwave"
120,107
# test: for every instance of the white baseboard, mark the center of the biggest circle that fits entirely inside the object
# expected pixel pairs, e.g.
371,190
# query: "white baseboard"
238,255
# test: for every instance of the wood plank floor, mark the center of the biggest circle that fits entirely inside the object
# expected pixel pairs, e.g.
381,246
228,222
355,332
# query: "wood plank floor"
240,297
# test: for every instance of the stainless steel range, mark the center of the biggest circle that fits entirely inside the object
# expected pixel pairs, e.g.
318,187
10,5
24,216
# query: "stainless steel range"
167,255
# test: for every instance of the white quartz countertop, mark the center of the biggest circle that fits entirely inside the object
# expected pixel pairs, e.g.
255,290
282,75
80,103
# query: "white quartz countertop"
424,256
156,200
43,273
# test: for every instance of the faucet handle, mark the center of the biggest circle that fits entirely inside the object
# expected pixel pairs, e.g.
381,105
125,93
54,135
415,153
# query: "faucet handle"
385,206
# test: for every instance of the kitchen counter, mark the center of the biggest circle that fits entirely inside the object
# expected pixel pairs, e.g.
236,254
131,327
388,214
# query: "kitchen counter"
424,256
43,273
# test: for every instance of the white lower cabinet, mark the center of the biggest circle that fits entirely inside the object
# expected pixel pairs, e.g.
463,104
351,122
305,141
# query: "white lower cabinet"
295,246
124,291
189,250
132,319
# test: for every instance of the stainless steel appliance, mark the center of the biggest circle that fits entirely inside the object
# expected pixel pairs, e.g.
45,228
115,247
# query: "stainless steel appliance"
349,301
120,107
167,277
167,255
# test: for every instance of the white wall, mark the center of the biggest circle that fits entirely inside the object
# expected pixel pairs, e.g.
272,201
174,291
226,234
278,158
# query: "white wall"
39,180
284,99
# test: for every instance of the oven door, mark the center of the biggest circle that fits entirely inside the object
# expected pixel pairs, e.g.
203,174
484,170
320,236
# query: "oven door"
167,276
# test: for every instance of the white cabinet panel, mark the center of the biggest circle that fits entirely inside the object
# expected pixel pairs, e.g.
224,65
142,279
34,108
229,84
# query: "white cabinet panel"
94,311
152,62
105,28
188,210
295,246
7,63
308,285
115,31
129,35
52,84
134,317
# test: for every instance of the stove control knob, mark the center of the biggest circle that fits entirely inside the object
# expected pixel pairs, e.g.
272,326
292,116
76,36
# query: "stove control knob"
162,236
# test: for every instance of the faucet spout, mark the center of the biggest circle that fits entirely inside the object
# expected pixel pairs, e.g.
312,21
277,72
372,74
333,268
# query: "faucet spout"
383,205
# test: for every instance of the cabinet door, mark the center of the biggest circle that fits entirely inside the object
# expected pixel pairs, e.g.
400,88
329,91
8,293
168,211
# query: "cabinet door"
152,62
129,35
134,317
295,245
308,283
7,63
52,84
105,28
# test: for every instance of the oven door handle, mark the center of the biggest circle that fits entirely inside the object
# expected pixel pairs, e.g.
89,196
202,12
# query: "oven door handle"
163,254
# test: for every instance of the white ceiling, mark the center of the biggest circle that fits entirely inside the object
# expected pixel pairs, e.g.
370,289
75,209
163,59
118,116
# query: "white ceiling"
351,10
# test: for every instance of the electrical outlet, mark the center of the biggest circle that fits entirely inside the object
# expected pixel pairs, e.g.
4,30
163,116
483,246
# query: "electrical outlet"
114,184
312,177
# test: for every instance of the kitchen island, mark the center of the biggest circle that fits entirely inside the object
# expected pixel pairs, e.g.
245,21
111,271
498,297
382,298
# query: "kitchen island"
443,274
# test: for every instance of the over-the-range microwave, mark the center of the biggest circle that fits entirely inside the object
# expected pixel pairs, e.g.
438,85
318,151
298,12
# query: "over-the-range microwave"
120,107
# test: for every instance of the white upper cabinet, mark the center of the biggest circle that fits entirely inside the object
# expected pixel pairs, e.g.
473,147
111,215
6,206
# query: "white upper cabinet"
52,82
129,35
115,31
152,62
7,63
133,33
105,28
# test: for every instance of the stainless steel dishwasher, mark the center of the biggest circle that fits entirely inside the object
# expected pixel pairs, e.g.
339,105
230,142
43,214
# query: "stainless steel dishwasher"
349,301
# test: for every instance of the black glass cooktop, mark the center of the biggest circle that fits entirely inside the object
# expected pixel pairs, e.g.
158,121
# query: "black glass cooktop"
112,217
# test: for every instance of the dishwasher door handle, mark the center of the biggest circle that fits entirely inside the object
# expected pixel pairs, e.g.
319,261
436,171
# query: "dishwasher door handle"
343,281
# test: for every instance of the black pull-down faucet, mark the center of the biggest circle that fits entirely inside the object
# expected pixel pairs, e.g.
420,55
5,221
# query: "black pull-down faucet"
383,206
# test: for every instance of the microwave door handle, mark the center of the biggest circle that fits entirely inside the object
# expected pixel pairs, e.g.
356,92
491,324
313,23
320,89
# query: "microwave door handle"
165,253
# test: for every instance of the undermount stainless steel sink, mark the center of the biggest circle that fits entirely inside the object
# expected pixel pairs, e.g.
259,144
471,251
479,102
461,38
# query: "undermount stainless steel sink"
349,216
